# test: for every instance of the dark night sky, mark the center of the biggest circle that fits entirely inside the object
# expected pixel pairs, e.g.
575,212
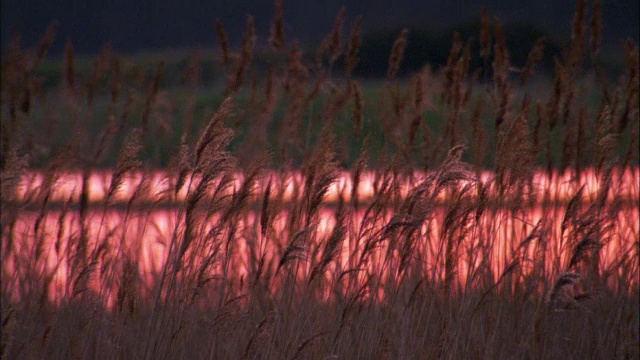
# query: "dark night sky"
147,25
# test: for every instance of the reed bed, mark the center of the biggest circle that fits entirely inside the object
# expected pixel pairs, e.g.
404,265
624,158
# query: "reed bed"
262,239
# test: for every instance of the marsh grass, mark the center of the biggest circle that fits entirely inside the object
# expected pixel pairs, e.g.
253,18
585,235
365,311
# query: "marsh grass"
453,266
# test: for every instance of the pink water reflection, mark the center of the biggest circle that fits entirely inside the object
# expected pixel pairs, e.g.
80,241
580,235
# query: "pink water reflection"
144,239
558,187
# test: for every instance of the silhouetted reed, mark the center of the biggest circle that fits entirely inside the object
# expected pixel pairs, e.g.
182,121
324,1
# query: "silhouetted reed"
263,238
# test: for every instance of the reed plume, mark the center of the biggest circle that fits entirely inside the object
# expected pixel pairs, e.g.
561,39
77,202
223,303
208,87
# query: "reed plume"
332,44
353,48
226,254
127,161
397,53
223,41
276,33
535,56
237,78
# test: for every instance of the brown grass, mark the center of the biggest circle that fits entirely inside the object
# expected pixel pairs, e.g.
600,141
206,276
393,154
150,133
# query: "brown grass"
283,261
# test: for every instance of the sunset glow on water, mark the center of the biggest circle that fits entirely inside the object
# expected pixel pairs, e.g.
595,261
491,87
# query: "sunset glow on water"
559,187
39,241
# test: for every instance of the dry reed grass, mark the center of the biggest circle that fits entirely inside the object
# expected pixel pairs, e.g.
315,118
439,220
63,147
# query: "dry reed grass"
248,273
